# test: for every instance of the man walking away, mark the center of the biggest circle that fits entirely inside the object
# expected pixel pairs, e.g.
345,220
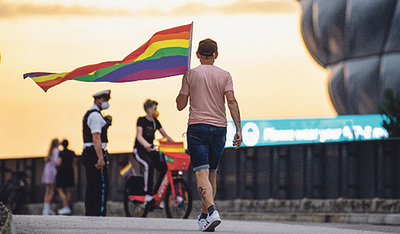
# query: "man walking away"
208,86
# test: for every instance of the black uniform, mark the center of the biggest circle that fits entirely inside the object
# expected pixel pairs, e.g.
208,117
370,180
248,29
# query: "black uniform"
96,181
149,160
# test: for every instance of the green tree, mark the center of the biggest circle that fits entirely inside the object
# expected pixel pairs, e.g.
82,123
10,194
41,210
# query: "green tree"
391,113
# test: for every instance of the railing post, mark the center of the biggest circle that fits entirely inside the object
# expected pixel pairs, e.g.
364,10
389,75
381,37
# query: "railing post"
323,181
344,171
380,172
254,184
308,175
33,181
288,169
396,173
239,181
275,172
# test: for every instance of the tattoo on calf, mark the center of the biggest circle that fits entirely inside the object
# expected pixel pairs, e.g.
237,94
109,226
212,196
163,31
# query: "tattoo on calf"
202,192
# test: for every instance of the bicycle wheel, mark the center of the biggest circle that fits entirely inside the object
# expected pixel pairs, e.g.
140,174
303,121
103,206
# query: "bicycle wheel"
134,186
183,206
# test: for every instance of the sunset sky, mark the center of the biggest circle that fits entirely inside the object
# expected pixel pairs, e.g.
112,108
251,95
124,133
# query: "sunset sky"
259,44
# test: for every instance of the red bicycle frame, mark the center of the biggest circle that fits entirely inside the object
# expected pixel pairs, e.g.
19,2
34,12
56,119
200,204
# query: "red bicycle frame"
176,160
159,196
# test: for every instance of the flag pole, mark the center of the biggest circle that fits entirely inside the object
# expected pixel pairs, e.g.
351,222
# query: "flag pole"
190,45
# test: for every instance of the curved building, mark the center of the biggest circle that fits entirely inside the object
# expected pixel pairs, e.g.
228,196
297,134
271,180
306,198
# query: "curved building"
358,41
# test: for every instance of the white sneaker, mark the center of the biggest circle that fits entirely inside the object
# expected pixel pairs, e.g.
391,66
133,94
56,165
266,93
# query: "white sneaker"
201,222
149,202
148,198
162,205
64,211
48,212
212,221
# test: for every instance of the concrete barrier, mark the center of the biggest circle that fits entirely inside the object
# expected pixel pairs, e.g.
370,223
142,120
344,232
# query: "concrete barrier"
367,211
313,206
6,220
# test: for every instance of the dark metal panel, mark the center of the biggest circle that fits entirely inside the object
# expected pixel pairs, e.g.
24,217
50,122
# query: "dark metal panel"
331,176
308,172
226,176
296,172
263,171
368,171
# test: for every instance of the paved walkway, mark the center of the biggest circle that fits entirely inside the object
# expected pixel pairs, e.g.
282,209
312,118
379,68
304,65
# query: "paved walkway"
81,224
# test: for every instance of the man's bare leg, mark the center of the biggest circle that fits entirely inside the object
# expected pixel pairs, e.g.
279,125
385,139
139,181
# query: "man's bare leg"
205,189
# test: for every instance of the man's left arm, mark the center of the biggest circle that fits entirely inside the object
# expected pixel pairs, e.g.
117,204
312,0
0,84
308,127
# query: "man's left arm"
164,134
235,113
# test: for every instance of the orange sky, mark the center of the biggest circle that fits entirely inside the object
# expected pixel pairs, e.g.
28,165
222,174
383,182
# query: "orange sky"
259,44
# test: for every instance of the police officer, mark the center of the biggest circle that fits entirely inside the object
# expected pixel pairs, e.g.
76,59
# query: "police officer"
93,157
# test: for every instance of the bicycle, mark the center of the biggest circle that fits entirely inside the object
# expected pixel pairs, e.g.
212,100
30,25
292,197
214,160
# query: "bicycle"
14,190
177,198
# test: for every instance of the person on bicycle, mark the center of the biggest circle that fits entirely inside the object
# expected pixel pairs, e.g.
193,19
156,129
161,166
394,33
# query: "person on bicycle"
144,151
208,87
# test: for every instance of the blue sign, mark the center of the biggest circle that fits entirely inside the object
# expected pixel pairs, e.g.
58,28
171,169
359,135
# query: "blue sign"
261,132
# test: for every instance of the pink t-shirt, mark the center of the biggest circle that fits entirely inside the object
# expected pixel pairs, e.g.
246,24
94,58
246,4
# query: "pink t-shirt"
206,86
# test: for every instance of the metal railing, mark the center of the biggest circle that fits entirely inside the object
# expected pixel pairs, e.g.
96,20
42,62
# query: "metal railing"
357,169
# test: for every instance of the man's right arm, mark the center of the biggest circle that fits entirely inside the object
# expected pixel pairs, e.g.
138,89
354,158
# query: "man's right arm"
235,113
183,96
181,101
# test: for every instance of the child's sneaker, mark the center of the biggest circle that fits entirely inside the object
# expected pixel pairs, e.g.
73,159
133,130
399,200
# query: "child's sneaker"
162,205
149,202
148,198
212,221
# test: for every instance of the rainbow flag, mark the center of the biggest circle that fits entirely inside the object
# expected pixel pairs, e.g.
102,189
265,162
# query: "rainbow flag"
126,170
174,147
166,53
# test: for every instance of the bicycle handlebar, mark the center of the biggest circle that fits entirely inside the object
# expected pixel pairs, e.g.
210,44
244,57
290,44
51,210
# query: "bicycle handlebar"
153,148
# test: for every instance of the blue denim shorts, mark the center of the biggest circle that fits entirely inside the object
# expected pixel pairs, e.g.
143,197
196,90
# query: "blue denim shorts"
206,144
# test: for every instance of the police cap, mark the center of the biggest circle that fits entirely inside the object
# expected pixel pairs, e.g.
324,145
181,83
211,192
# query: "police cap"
106,94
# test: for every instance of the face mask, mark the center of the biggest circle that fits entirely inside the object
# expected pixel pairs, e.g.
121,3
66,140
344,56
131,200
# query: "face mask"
105,105
155,114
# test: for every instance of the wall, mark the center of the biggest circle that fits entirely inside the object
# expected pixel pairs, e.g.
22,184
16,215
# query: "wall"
357,170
